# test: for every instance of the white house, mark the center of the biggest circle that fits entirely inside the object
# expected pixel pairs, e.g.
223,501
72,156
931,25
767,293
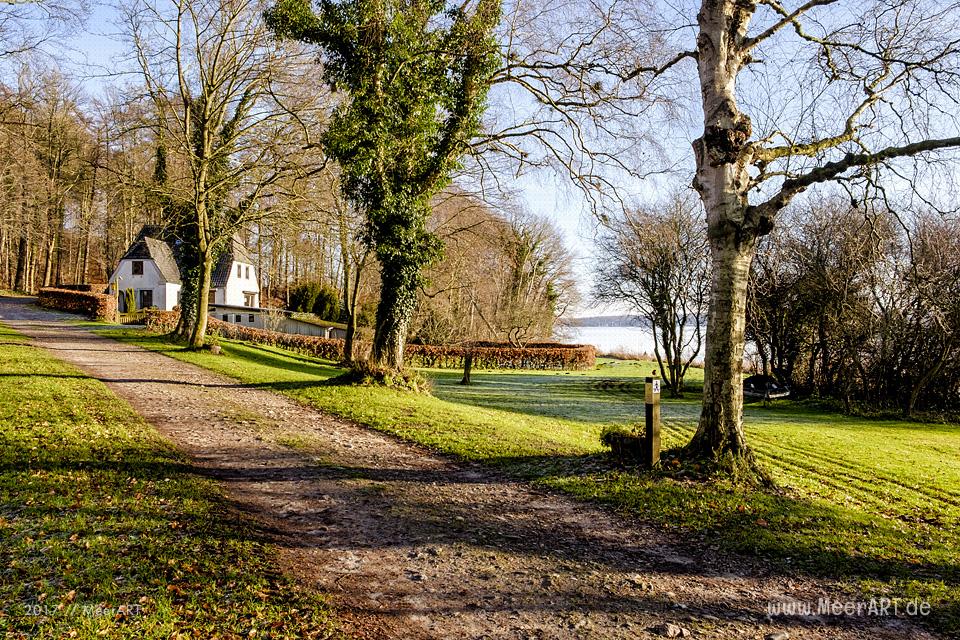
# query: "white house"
234,278
150,268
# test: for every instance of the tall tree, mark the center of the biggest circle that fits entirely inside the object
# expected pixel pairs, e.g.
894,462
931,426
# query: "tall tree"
414,75
865,66
227,122
28,28
656,260
794,94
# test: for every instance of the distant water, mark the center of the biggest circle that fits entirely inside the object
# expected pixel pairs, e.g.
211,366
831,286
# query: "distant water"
633,340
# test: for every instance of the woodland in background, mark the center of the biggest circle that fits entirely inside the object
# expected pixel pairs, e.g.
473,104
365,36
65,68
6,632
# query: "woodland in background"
71,204
860,306
598,93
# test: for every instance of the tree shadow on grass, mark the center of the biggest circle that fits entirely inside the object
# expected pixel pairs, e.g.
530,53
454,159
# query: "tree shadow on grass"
311,361
302,365
28,374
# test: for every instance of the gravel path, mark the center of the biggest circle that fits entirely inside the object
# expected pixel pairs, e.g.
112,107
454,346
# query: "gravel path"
413,545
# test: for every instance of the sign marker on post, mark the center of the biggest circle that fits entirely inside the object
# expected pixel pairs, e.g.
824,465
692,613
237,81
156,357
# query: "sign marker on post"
652,439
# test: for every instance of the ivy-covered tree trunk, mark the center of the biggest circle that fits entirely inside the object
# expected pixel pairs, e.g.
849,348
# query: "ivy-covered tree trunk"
398,301
190,281
406,122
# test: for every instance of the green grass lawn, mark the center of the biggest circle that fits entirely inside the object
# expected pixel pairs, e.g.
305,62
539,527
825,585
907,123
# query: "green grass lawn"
874,503
105,531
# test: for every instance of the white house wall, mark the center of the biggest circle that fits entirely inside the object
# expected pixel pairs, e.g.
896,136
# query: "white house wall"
233,293
171,296
151,279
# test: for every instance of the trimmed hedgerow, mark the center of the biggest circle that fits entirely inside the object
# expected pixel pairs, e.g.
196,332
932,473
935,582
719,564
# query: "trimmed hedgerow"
486,355
95,305
326,348
161,321
493,355
90,288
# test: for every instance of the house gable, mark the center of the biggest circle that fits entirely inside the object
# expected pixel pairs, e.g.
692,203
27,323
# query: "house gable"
235,279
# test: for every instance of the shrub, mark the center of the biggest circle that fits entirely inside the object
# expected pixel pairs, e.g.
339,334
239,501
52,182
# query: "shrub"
94,305
161,321
625,444
326,306
495,355
303,297
326,348
368,374
88,288
489,355
317,298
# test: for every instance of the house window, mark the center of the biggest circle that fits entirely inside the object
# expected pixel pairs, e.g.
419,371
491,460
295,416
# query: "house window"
212,297
248,273
137,268
249,299
226,317
238,318
251,318
145,298
239,271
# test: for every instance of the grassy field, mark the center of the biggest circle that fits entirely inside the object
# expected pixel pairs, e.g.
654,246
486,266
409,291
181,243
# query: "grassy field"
106,532
874,503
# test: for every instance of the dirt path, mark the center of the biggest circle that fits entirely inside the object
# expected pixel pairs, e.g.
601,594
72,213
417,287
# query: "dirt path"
412,545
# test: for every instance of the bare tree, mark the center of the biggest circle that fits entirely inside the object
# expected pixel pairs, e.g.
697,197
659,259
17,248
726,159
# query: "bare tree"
793,94
869,87
656,260
923,323
227,118
504,276
31,27
570,98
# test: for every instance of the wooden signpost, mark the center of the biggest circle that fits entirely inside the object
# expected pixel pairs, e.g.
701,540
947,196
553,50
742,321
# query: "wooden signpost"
652,439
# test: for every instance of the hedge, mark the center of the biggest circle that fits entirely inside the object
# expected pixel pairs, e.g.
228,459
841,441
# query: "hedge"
95,305
486,355
493,355
89,288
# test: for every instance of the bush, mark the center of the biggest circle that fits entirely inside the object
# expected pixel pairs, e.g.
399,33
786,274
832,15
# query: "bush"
327,304
495,355
303,297
489,355
161,321
367,374
625,445
97,306
325,348
88,288
317,298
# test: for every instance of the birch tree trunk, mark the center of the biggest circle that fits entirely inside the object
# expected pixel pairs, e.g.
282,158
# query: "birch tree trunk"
722,180
720,431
